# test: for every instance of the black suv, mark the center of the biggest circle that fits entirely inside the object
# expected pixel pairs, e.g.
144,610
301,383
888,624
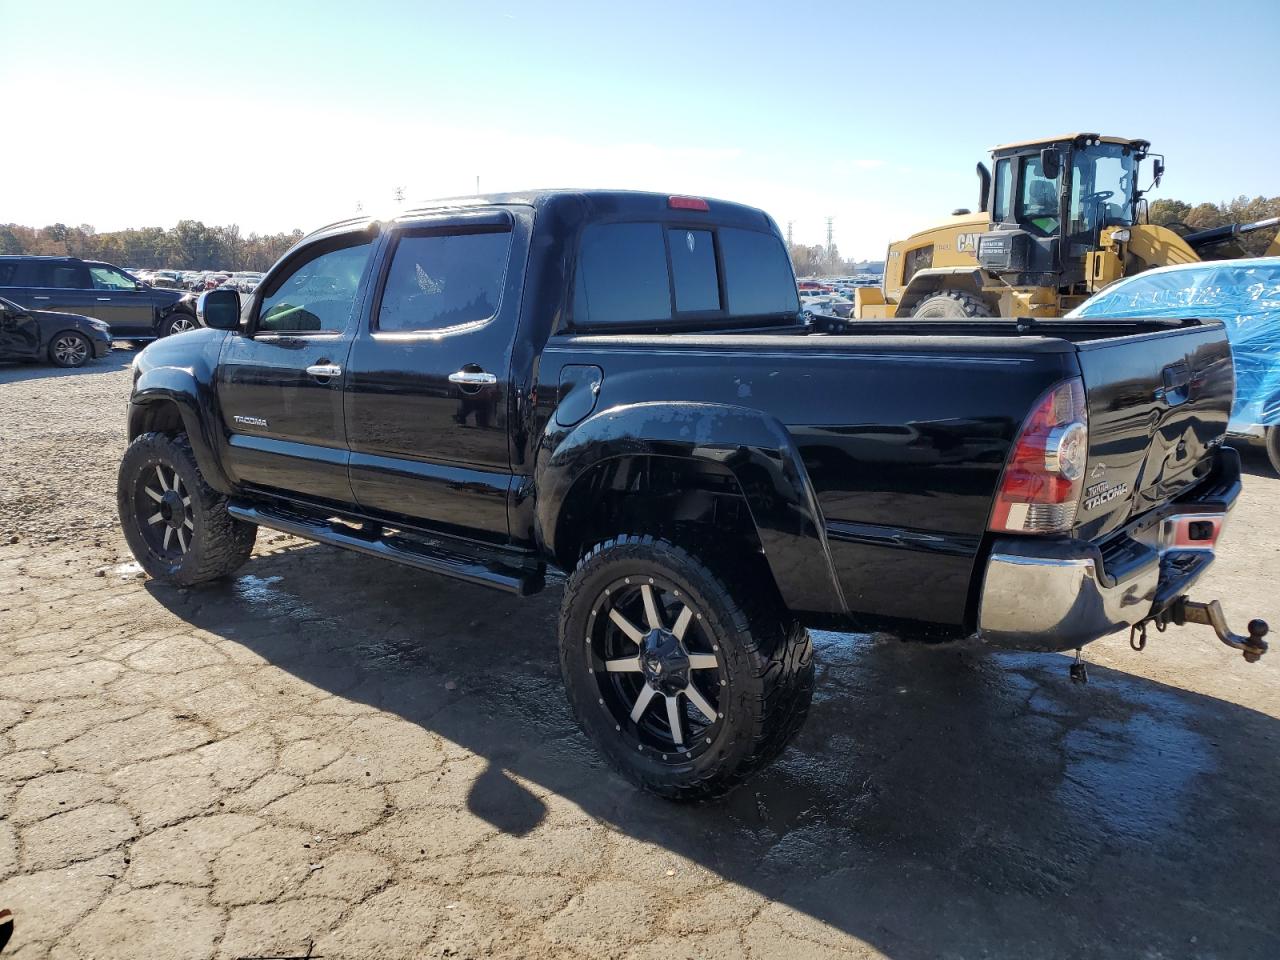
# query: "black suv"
128,306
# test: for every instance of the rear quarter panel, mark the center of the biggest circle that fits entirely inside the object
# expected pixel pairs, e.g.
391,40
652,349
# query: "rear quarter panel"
903,439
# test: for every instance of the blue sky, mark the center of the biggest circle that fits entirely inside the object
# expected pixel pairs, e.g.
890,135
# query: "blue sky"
276,115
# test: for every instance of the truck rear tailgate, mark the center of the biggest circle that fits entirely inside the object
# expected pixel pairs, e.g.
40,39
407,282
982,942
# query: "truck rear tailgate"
1158,406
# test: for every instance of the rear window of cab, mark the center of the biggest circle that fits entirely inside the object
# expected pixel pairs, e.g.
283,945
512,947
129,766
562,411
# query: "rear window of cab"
654,274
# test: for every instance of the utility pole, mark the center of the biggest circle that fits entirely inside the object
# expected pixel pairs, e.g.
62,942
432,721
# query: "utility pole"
399,195
790,224
477,184
830,247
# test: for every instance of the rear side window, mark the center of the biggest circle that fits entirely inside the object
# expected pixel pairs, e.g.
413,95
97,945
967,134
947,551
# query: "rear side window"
757,274
7,271
693,267
438,281
622,275
60,276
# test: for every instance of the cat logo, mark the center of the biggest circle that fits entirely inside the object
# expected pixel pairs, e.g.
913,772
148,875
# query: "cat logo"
967,243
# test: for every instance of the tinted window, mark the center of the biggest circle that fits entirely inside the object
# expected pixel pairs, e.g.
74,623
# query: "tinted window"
622,275
757,274
1000,211
315,295
441,281
108,278
693,265
61,276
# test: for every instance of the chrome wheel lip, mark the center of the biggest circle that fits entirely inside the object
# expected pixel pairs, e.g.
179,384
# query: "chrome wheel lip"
619,696
71,349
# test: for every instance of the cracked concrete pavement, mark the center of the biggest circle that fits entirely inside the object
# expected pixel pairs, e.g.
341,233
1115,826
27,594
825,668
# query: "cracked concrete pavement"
326,753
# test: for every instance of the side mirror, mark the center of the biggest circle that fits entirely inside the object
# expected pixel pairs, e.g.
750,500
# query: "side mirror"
1051,162
219,309
1157,169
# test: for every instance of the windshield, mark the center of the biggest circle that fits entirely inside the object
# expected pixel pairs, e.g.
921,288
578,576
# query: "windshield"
1102,182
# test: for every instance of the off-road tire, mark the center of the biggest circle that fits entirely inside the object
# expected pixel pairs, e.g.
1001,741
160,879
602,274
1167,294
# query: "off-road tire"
952,305
70,349
766,671
1273,447
219,544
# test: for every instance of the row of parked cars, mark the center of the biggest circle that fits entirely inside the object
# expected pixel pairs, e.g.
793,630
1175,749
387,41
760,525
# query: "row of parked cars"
245,281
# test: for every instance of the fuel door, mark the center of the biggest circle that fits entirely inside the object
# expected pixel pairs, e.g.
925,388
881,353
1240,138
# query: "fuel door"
579,389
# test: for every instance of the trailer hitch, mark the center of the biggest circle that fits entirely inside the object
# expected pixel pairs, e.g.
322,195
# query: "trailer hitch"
1185,610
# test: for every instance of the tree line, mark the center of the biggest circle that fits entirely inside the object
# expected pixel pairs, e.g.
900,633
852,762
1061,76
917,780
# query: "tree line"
188,246
1186,218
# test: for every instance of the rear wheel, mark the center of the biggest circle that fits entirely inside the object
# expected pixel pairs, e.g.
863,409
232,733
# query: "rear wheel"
952,305
176,524
687,681
1273,447
70,349
177,323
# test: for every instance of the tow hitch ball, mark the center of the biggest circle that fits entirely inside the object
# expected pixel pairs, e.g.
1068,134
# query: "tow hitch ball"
1184,610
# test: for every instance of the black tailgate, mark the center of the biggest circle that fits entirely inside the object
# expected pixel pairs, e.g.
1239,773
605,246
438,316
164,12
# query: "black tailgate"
1158,408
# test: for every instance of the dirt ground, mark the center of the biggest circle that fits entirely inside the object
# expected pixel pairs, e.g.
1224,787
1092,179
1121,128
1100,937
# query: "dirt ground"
329,756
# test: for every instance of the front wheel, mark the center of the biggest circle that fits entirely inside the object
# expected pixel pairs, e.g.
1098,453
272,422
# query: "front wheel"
177,525
70,349
952,305
1273,447
687,680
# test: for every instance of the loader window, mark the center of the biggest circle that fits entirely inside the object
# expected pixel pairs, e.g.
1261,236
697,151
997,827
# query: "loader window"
1004,189
1038,199
1102,179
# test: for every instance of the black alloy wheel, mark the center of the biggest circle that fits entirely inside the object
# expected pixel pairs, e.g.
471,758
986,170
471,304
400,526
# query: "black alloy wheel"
657,670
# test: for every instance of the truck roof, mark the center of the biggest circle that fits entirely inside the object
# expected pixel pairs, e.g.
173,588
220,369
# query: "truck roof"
622,204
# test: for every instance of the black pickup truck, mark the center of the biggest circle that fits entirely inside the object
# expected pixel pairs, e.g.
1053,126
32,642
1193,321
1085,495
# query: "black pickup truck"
618,388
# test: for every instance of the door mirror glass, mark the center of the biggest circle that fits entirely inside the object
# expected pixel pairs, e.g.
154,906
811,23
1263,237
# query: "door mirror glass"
1050,162
219,309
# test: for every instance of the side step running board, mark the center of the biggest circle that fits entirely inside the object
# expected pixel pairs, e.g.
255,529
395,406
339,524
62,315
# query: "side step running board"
423,555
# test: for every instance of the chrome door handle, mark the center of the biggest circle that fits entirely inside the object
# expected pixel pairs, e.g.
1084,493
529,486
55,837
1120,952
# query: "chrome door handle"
104,299
324,370
39,298
469,378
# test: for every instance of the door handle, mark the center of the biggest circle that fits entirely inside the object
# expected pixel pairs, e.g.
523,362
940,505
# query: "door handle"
104,299
323,371
473,378
39,298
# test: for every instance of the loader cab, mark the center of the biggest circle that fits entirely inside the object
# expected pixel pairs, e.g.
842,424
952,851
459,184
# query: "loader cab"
1049,201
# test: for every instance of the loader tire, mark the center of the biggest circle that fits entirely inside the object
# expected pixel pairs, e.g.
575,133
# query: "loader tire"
952,305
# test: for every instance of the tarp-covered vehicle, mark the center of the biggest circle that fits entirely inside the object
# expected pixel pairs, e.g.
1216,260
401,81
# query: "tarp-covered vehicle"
1245,296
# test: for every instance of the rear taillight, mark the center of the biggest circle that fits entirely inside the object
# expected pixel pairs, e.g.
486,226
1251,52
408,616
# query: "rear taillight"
1040,489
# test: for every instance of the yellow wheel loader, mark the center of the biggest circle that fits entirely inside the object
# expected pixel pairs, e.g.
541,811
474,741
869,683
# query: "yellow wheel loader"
1058,220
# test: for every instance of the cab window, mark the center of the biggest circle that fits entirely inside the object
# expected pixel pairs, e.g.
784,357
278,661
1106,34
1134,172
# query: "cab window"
1038,199
441,280
1004,189
316,293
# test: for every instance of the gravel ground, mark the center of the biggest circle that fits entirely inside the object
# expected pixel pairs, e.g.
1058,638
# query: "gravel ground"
333,755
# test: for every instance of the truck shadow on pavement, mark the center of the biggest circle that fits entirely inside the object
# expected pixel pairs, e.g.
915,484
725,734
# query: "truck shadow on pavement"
937,804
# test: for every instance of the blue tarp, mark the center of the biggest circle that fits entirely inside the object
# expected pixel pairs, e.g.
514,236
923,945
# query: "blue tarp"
1243,294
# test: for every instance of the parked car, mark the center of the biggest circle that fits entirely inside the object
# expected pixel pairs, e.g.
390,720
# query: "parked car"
614,385
827,304
131,308
1245,296
64,339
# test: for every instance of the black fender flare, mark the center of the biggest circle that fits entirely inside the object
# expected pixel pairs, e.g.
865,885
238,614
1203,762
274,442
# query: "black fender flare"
179,387
753,446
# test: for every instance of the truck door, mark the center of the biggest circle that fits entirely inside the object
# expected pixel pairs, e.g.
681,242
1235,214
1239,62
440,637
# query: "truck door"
428,385
280,384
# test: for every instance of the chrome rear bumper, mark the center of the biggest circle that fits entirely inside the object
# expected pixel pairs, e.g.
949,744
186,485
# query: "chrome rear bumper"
1060,594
